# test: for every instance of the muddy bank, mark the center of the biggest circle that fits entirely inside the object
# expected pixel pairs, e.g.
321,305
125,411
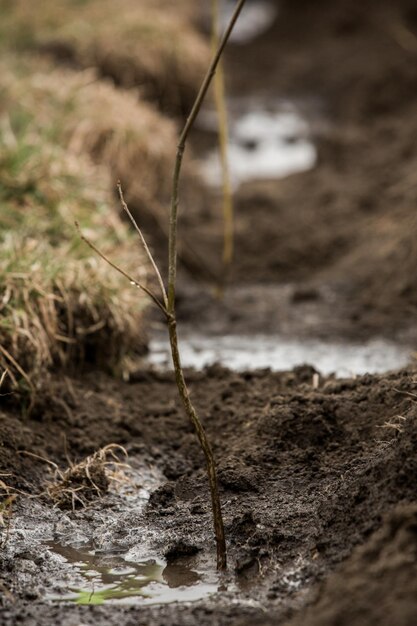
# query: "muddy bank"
370,588
306,475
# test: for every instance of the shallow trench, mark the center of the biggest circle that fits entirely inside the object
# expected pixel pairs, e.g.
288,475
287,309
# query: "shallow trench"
110,554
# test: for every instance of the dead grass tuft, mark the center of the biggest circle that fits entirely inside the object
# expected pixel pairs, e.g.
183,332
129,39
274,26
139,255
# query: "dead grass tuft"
66,137
7,498
88,480
59,305
143,44
91,117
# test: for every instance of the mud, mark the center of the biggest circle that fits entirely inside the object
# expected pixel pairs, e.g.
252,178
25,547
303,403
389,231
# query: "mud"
306,475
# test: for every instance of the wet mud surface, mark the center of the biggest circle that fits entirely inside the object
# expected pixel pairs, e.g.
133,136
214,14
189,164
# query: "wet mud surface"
307,474
317,474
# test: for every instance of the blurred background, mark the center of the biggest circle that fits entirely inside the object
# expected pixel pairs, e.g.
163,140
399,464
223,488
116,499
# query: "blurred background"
321,150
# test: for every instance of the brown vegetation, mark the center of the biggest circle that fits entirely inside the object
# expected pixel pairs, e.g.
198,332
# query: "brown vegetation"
134,43
59,306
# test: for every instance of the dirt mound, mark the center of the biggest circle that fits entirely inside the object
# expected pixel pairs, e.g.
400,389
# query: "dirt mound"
376,585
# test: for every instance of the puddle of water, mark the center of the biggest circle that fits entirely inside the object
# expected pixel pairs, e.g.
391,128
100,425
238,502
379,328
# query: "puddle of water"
137,483
263,144
255,18
277,353
110,577
132,489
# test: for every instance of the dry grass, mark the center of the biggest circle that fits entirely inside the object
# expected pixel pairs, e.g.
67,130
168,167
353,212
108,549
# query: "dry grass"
59,304
7,498
89,116
138,43
66,137
88,480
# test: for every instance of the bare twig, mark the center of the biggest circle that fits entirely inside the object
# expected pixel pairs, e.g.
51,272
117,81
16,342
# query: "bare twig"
145,245
121,271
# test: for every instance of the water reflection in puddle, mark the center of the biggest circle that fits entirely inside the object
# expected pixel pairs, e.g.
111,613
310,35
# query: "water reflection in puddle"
110,577
259,351
263,144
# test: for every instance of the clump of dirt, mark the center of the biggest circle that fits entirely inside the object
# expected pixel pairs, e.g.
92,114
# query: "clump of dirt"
376,585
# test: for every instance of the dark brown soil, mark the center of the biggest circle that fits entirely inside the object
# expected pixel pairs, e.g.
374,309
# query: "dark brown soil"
306,475
379,574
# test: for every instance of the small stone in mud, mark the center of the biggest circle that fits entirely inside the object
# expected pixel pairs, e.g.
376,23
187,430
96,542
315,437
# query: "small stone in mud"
247,563
162,497
179,549
305,294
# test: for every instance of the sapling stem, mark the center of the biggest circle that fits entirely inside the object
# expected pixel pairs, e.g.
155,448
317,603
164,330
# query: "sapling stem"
205,445
167,305
172,273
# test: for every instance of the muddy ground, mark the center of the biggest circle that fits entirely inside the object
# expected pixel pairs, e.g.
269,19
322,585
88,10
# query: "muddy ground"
307,475
317,475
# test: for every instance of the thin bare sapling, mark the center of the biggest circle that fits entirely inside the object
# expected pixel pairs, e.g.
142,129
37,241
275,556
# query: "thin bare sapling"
165,301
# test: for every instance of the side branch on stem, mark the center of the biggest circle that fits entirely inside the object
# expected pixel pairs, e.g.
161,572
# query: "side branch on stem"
145,245
121,271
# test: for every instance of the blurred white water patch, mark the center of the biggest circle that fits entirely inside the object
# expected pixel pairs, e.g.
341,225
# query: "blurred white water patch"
277,353
254,19
263,144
